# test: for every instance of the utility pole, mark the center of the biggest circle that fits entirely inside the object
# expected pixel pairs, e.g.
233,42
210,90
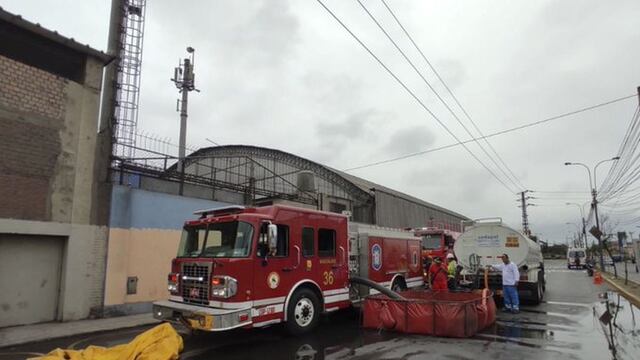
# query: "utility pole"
596,232
525,216
184,79
584,233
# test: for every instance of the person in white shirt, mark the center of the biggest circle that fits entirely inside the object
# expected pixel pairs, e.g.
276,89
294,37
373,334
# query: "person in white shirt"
510,277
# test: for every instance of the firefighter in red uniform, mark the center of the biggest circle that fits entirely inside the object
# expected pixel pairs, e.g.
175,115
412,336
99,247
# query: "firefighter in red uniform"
438,275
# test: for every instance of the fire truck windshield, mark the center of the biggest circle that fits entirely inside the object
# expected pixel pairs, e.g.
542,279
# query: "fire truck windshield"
219,240
431,242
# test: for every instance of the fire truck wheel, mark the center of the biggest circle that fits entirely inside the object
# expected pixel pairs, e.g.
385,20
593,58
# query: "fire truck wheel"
399,285
303,312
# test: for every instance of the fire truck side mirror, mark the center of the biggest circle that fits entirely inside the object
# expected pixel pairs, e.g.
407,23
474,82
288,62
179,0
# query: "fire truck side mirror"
272,237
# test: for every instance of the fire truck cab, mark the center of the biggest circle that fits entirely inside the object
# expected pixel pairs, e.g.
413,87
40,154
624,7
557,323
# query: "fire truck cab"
436,241
253,267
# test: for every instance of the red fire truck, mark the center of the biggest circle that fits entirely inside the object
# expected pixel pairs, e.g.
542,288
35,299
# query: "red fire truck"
253,267
436,241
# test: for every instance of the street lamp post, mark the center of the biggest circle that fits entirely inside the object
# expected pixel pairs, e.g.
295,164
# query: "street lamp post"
594,200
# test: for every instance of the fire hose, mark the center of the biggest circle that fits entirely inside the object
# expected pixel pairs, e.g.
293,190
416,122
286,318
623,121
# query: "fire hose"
366,282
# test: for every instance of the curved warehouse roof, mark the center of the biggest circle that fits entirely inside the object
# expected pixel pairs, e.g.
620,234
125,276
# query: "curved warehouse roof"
287,164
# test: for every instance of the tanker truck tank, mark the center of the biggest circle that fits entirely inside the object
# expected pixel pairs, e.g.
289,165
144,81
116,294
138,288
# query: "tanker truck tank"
483,243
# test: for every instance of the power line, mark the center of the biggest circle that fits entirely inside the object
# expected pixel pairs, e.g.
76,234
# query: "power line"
502,132
419,73
455,98
619,168
561,192
413,95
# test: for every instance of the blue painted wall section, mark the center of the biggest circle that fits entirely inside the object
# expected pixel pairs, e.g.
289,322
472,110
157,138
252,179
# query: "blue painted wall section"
140,209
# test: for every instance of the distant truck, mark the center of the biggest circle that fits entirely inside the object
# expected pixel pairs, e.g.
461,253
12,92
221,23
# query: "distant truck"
576,258
484,241
242,267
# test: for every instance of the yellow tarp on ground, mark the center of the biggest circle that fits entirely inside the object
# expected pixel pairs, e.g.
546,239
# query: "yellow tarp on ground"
159,343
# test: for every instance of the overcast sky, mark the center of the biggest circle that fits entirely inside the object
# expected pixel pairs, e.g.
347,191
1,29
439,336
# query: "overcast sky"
285,75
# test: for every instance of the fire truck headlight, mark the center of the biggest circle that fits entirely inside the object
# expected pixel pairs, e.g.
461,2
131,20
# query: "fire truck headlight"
224,286
218,292
172,285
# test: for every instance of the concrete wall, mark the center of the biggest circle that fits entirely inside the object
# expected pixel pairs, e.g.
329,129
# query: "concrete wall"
48,167
144,233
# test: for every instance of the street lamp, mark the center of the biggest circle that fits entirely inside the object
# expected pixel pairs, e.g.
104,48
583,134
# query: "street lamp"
588,172
594,201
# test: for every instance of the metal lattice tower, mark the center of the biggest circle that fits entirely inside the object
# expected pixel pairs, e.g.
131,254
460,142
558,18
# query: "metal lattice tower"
128,77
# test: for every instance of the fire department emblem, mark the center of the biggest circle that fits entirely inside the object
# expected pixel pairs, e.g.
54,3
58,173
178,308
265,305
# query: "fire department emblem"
194,292
273,280
376,257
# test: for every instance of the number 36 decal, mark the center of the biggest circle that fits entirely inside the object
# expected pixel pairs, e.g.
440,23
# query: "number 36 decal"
327,278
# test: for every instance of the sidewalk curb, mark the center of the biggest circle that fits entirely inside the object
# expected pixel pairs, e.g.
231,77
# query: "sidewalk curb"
25,337
634,299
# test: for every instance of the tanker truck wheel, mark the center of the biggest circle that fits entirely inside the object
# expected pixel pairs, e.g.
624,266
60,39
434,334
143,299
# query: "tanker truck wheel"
538,293
303,312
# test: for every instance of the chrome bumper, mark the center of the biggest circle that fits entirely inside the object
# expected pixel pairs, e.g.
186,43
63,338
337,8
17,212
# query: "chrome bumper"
201,317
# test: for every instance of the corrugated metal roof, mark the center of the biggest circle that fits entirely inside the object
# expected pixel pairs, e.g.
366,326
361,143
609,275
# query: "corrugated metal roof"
368,186
35,28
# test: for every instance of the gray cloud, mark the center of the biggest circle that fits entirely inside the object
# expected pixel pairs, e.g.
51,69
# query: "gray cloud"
409,140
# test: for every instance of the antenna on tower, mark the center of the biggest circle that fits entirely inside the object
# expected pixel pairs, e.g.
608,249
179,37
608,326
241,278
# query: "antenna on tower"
184,79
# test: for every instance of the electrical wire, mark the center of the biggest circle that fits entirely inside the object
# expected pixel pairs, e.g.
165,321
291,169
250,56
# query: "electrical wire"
621,152
413,95
501,132
453,96
620,175
413,66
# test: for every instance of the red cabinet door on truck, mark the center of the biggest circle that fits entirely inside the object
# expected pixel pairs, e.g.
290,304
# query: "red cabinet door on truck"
274,272
319,259
394,257
387,257
324,257
414,275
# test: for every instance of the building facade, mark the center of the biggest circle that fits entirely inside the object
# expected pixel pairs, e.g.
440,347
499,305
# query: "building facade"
53,234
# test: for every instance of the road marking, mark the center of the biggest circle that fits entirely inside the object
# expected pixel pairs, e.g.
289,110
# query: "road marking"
588,306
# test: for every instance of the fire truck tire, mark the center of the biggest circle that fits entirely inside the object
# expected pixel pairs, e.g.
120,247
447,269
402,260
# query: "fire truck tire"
303,312
399,285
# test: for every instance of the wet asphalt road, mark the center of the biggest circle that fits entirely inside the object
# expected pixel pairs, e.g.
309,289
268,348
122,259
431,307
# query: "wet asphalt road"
565,326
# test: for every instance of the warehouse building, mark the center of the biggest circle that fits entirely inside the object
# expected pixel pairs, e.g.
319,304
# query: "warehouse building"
272,176
151,200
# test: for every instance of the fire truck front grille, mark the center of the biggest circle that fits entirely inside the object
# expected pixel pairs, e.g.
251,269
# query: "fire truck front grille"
195,283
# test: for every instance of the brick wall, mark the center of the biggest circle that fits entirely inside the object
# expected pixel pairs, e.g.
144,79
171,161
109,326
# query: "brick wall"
32,104
31,90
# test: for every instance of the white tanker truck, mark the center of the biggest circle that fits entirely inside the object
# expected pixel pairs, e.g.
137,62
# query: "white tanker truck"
484,241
